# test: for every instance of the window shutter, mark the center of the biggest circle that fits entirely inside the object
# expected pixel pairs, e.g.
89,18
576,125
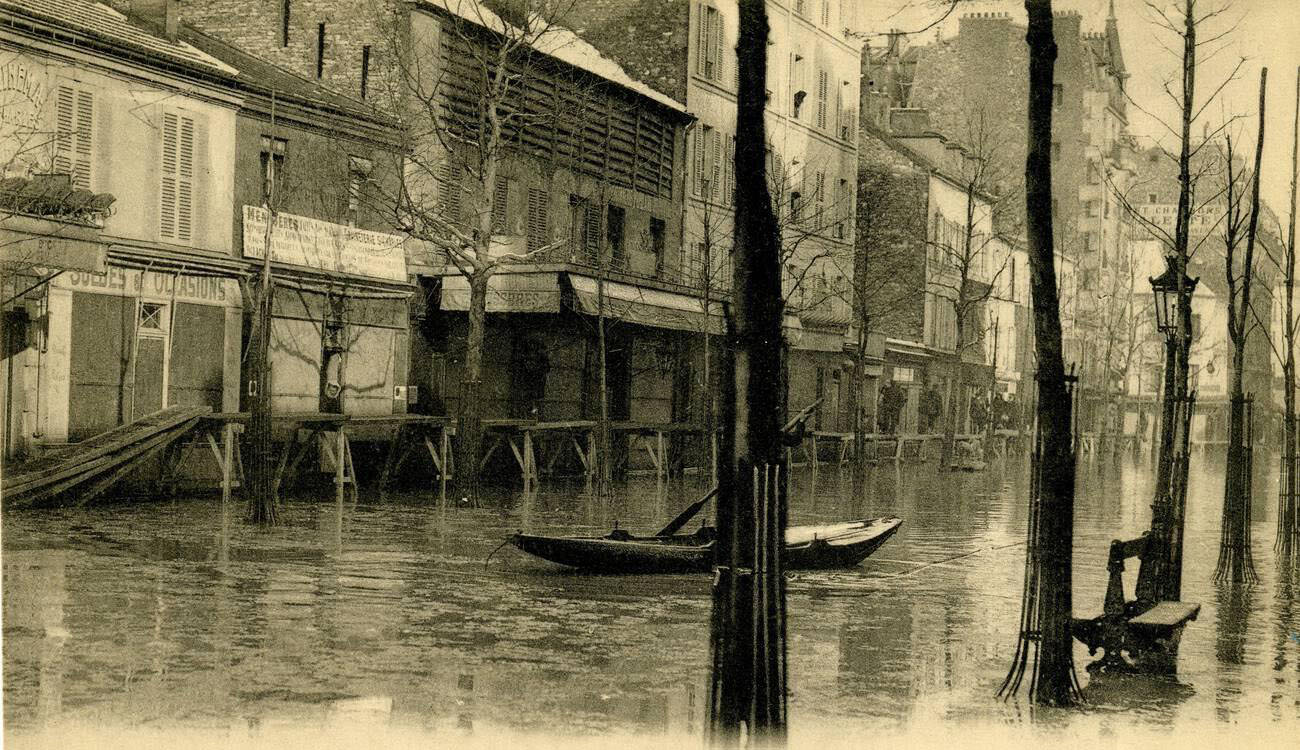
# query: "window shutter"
701,37
500,203
75,134
699,161
170,145
716,30
449,177
85,137
591,230
819,191
176,209
537,216
185,181
821,99
64,124
716,172
826,12
730,185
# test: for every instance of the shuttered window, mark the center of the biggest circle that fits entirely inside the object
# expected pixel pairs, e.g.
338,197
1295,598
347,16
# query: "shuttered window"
715,173
602,131
843,210
176,209
584,232
500,204
449,178
729,171
708,44
697,184
75,134
819,194
537,219
822,91
614,232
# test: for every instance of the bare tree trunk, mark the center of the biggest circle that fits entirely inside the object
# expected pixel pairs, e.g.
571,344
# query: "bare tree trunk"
748,688
1055,682
469,423
859,400
605,461
947,447
1171,476
259,447
1235,563
1286,541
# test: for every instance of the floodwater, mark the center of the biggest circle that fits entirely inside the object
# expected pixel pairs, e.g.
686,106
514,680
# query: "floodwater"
378,620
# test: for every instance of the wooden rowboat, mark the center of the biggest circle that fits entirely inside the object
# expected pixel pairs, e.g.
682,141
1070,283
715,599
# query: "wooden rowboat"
838,545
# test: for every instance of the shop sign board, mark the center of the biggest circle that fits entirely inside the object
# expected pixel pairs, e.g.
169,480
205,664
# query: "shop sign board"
325,246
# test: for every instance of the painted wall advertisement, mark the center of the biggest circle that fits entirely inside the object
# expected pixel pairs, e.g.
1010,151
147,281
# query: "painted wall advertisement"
156,285
325,246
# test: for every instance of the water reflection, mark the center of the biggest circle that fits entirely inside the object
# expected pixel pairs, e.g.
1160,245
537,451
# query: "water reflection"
379,612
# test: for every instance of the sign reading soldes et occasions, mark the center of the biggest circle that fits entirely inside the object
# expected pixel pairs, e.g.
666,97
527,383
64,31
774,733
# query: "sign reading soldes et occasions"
324,245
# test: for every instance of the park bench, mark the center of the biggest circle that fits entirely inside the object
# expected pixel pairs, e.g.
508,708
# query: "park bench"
1145,627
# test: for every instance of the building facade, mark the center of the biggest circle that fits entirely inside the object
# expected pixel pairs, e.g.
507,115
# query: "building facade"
973,85
327,166
151,121
811,124
926,237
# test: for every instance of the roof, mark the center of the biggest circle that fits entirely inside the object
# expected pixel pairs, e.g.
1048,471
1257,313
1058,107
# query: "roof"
260,76
920,159
560,43
100,23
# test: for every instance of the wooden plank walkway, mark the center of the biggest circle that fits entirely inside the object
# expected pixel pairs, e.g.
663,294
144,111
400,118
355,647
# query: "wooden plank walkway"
94,465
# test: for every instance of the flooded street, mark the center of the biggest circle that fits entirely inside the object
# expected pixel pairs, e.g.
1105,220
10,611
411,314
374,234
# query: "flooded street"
381,615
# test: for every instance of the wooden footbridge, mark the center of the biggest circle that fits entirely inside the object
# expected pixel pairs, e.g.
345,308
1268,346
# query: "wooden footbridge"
80,472
181,441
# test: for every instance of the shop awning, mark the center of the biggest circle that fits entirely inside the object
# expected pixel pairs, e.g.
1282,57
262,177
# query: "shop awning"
507,293
645,306
813,340
660,309
30,242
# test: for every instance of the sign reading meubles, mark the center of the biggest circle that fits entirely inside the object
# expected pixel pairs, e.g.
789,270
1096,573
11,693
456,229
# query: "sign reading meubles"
324,245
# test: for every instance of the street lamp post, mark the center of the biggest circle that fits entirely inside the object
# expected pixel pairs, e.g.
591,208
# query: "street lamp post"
1173,293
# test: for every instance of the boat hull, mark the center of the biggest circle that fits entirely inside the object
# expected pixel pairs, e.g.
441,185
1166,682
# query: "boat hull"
807,548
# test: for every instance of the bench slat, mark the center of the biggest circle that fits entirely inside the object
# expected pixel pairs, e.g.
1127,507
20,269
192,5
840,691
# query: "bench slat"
1167,615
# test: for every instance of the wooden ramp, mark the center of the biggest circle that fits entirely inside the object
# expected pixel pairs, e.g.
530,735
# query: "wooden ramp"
79,472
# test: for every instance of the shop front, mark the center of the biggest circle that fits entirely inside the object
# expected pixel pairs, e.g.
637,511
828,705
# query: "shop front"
340,315
127,342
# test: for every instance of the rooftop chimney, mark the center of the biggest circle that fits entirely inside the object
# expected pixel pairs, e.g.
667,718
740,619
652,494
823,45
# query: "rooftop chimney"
162,16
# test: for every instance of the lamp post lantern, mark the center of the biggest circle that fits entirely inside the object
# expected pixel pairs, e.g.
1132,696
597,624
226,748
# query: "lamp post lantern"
1165,288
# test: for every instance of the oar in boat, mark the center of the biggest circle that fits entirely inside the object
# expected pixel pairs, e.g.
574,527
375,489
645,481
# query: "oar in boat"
685,516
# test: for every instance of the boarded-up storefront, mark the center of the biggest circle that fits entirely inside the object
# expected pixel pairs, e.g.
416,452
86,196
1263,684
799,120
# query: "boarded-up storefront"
340,315
128,342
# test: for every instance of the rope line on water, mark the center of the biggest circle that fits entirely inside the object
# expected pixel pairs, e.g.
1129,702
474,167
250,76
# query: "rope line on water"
923,566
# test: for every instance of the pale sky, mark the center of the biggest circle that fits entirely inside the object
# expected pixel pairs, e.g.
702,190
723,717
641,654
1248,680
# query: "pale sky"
1268,34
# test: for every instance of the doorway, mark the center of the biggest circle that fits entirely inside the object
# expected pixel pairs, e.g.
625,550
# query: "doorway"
151,335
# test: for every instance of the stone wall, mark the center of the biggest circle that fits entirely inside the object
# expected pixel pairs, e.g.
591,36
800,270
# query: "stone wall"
893,199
